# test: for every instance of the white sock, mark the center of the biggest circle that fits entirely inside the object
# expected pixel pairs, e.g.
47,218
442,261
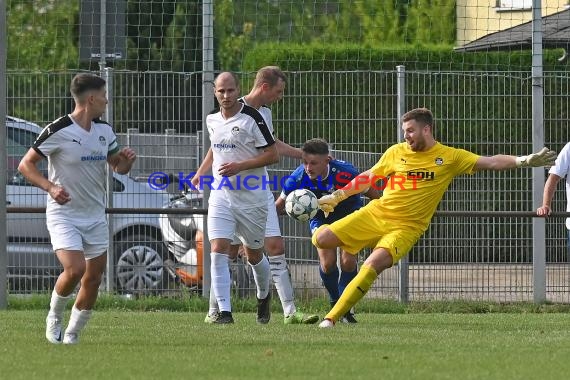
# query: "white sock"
78,320
221,280
282,280
57,304
261,275
213,306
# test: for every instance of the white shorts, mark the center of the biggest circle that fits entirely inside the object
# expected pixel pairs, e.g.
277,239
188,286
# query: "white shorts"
272,226
247,224
92,238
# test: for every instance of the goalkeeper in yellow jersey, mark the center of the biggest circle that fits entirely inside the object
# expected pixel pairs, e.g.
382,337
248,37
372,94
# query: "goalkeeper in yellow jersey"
415,175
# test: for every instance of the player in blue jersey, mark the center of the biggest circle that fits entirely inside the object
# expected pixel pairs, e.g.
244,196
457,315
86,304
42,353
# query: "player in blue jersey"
323,175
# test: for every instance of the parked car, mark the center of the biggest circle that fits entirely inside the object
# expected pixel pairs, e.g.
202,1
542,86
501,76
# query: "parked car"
138,251
183,237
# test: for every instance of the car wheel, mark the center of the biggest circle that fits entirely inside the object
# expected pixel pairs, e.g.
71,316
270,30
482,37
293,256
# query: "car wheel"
139,264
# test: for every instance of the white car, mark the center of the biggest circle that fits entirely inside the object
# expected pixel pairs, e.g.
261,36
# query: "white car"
139,252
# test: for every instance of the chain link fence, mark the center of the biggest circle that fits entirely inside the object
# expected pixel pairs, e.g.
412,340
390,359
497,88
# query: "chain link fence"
482,258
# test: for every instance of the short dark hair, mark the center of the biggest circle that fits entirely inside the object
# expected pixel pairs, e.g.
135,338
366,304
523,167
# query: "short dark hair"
421,115
270,75
81,83
316,146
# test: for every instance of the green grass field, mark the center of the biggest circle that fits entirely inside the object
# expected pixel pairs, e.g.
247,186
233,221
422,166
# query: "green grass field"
162,344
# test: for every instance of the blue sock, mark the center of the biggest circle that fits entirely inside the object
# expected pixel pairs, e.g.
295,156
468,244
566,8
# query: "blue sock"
345,278
330,281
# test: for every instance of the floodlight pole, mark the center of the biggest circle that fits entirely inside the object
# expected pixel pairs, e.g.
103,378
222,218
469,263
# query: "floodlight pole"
538,224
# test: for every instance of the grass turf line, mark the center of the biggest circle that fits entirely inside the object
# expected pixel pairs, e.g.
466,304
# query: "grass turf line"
134,344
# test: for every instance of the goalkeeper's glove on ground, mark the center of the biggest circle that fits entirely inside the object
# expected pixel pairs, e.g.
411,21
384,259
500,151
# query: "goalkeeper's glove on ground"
327,203
545,157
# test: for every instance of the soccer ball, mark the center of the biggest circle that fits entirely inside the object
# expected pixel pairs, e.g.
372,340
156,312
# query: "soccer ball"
301,205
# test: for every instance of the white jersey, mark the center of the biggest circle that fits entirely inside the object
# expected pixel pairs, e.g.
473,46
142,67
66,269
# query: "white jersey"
272,227
266,113
562,169
76,160
236,139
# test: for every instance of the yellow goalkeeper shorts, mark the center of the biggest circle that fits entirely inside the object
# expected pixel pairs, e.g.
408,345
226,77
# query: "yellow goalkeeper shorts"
365,229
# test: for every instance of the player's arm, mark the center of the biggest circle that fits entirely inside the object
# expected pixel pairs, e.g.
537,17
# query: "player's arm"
268,156
372,193
29,168
280,204
359,184
204,168
545,157
548,194
122,161
287,150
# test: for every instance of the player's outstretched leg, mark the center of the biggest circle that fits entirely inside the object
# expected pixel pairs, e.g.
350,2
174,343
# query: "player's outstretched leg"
351,295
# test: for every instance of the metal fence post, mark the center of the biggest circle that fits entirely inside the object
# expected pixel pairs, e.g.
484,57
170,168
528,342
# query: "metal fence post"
538,224
403,266
207,106
3,256
168,133
110,275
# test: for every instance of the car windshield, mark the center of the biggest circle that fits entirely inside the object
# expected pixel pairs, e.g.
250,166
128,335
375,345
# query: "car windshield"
18,141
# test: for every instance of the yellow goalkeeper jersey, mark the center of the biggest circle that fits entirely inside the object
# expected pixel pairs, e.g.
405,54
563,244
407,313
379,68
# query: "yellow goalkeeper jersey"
414,182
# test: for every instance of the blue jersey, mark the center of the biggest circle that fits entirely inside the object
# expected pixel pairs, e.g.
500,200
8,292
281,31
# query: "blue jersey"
340,173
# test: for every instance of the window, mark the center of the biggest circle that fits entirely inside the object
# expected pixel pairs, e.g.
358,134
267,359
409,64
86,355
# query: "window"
514,4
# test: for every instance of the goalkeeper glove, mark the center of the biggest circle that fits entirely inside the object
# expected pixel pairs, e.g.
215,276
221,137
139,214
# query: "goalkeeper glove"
545,157
327,203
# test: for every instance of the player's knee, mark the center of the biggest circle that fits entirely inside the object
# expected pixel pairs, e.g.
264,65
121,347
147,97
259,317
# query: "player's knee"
348,262
319,237
75,273
274,246
254,256
328,267
380,259
234,251
91,280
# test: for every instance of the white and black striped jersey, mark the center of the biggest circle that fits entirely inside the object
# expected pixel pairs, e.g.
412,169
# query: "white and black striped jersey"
238,138
265,112
76,161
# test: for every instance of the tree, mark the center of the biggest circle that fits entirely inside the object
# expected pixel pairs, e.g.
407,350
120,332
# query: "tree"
431,22
42,34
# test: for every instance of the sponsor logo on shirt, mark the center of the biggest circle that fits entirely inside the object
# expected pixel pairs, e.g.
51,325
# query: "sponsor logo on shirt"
224,146
93,158
420,175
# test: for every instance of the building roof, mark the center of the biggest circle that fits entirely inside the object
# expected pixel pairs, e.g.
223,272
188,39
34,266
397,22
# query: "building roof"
555,28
